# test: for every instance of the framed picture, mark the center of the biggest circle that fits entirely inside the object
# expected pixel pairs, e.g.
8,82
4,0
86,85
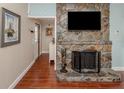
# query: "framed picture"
11,28
49,30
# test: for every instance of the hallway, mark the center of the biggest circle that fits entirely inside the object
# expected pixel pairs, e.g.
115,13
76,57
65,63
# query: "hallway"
42,75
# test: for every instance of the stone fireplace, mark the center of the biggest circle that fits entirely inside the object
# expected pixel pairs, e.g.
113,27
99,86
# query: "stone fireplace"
83,43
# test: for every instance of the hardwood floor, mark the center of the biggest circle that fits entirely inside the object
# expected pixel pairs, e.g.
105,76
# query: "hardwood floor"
42,75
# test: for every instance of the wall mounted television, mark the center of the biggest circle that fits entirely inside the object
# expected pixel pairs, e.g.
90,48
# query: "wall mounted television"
84,20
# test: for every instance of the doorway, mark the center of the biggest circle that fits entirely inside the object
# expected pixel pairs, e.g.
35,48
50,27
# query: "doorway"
45,38
37,36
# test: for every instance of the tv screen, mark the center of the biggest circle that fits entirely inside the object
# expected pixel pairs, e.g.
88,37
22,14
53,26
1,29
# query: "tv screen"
86,20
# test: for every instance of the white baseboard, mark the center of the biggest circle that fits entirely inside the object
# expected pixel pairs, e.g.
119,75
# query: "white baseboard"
21,76
118,68
45,52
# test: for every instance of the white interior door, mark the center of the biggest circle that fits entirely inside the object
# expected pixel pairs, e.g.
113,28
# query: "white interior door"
35,42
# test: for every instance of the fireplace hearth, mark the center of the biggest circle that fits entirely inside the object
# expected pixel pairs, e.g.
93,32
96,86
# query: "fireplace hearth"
86,61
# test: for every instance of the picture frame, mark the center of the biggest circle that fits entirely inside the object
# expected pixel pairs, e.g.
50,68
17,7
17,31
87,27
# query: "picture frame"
11,28
49,30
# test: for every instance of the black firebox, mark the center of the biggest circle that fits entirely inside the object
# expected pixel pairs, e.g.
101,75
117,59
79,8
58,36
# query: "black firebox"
86,61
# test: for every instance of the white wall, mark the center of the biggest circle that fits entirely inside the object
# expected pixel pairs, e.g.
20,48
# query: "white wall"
46,39
117,34
14,59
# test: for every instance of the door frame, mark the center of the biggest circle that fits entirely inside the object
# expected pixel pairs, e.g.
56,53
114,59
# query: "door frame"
39,37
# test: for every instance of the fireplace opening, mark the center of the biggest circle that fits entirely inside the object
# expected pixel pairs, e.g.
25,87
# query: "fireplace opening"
86,61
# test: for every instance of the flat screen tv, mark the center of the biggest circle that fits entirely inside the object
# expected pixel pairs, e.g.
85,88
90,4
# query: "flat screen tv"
84,20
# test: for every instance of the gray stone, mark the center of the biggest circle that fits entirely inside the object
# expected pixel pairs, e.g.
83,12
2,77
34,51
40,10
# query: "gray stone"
106,75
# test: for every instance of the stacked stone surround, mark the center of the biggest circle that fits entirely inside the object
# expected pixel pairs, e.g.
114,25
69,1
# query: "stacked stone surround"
104,48
62,17
82,40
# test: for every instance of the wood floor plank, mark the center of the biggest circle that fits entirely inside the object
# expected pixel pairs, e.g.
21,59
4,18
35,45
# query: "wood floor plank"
42,76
